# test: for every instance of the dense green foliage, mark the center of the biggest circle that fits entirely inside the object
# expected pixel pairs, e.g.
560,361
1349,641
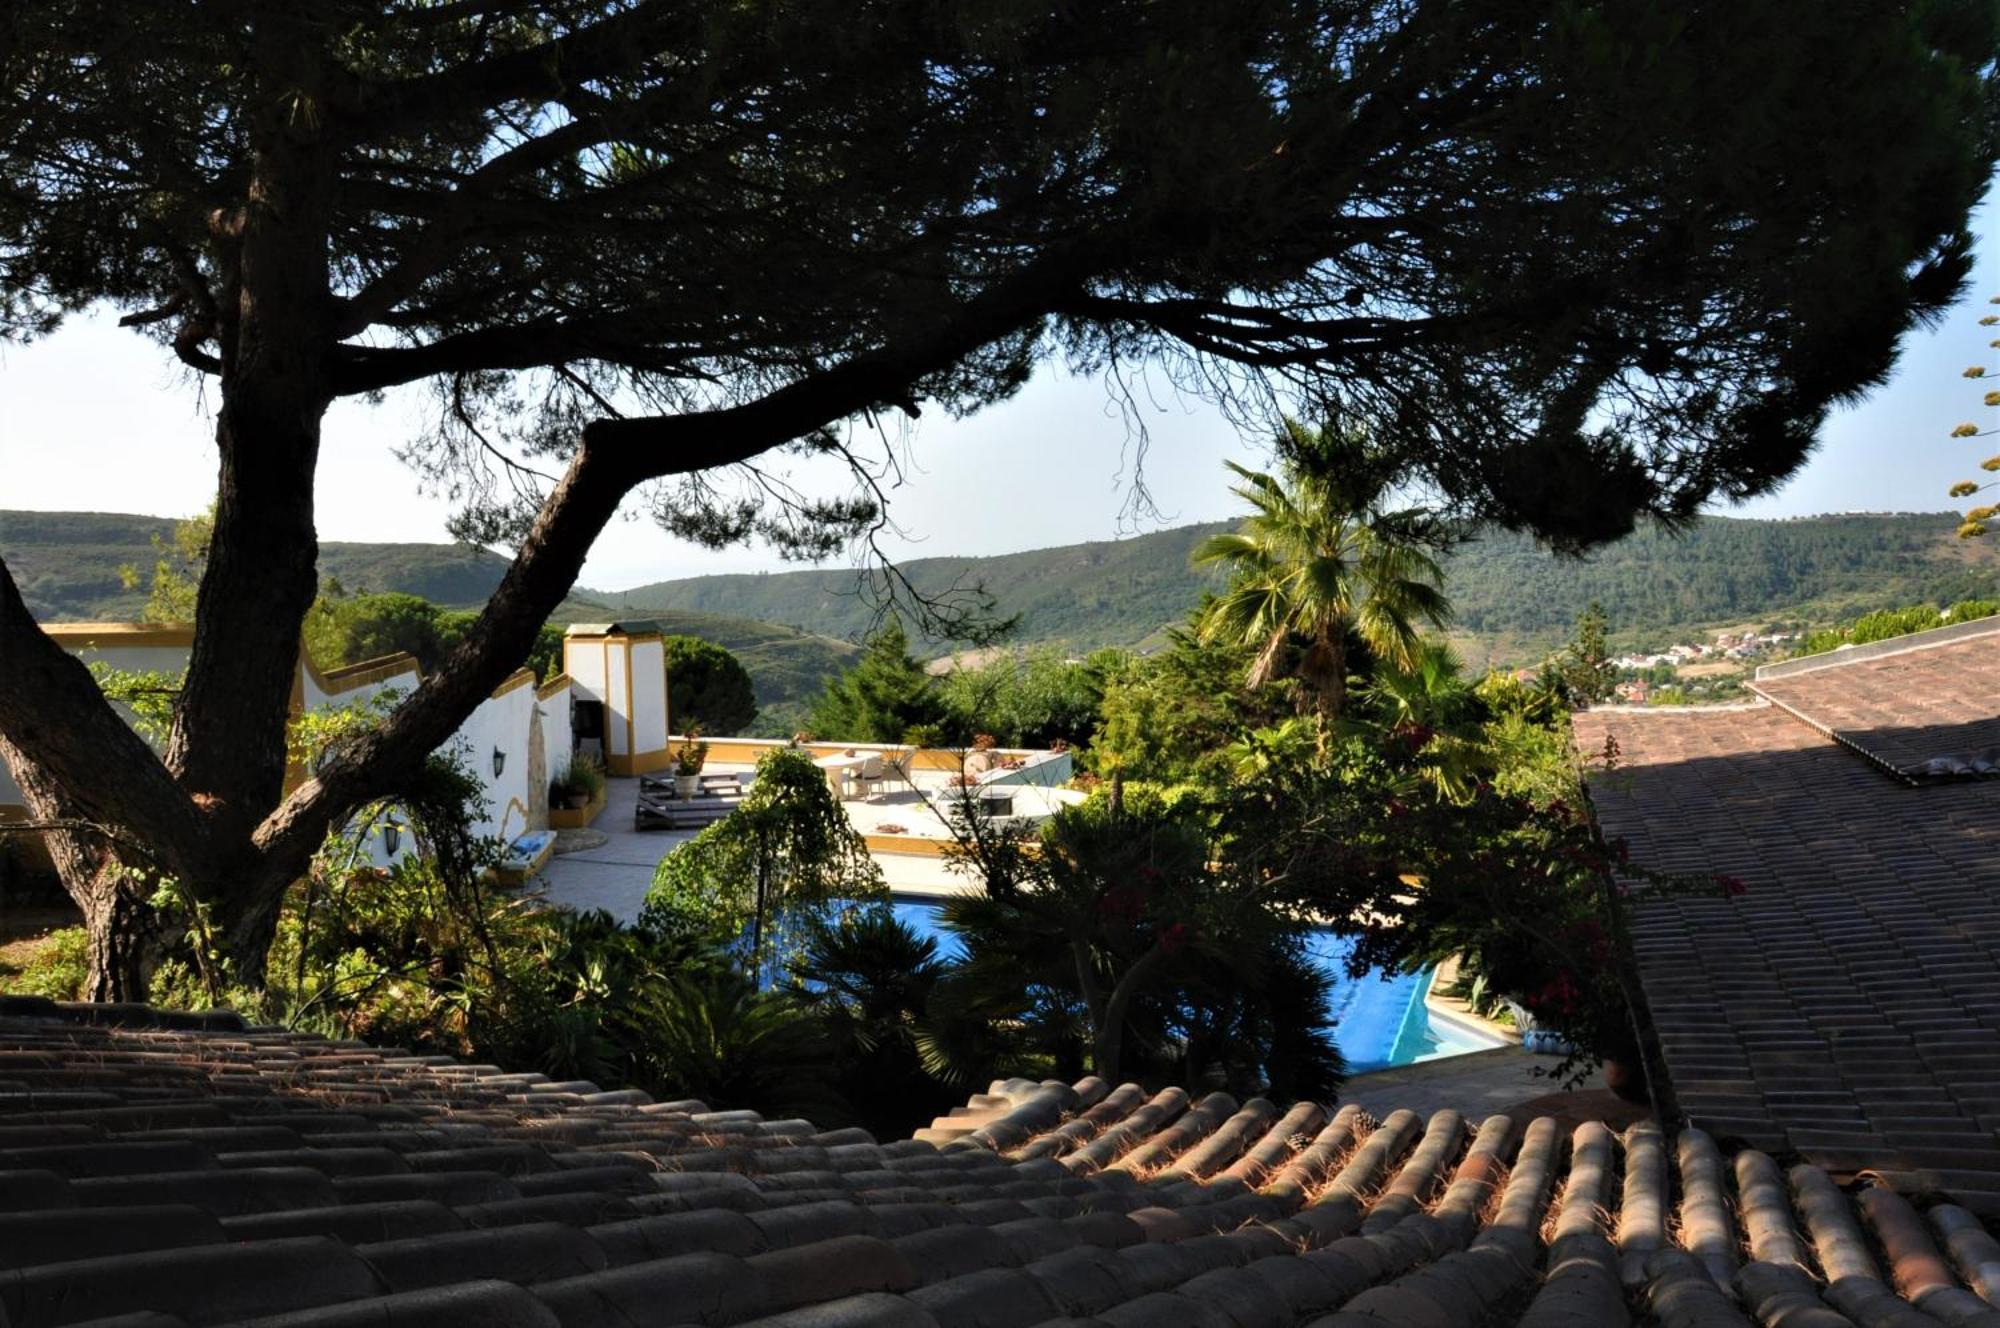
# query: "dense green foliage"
1322,558
1585,663
1170,717
882,698
347,629
1513,602
56,967
1031,699
1887,623
707,688
783,862
1139,941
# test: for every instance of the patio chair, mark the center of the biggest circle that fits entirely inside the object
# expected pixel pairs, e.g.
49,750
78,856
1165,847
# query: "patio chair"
889,768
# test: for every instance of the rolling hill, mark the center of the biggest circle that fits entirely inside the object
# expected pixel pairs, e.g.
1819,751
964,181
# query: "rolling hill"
67,567
1112,592
1514,600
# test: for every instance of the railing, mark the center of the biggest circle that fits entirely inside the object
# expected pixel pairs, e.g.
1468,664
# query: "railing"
1046,768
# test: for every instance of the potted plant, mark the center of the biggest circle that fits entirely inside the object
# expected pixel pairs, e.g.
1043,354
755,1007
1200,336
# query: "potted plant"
565,792
689,757
576,794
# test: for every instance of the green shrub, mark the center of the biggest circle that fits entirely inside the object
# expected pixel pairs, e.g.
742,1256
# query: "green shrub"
584,774
56,969
1887,624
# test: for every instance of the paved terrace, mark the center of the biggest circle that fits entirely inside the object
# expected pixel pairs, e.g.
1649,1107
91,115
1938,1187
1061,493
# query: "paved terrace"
1847,1005
187,1170
904,831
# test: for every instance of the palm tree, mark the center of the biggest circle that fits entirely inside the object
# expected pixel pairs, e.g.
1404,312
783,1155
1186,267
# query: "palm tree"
1321,556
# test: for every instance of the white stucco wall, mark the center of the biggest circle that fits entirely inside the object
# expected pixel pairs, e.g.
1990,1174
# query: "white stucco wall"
583,661
557,738
129,659
403,681
649,696
501,722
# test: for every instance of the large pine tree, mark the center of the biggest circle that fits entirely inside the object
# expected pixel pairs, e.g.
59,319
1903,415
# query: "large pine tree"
885,695
1591,261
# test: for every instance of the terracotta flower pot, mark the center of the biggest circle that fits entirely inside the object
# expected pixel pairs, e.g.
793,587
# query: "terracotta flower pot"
1627,1081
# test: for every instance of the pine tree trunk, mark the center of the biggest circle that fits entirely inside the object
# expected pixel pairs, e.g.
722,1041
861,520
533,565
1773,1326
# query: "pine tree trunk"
124,943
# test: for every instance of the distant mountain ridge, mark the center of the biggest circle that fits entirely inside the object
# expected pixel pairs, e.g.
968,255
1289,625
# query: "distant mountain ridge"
1514,601
1102,593
66,565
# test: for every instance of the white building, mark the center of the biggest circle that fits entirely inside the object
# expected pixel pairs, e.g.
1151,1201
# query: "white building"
513,742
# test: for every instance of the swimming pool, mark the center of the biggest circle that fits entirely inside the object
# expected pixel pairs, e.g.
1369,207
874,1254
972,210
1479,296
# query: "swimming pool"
1379,1022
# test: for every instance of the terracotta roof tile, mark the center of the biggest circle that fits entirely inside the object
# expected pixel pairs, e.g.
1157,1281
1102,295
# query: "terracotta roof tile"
1860,968
1200,1212
1922,706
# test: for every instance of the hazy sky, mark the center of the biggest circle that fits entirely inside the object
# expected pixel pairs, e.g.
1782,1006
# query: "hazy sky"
98,419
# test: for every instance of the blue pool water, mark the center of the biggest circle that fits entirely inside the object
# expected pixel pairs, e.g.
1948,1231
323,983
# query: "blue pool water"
1379,1022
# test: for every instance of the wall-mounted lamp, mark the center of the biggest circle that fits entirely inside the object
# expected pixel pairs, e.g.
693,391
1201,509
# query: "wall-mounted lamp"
392,838
499,762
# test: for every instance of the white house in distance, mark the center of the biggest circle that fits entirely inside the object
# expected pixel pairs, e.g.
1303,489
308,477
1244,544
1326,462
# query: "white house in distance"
618,676
514,742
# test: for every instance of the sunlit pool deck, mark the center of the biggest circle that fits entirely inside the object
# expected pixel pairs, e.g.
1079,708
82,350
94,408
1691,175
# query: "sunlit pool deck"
1381,1022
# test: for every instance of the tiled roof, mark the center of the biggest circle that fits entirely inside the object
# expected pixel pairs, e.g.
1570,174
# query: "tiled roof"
151,1177
1923,707
1847,1005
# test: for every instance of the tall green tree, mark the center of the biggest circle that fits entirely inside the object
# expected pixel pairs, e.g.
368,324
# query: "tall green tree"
783,862
1585,665
1323,559
707,688
175,578
1603,260
885,695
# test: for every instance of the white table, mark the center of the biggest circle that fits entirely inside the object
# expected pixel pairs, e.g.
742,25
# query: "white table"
839,768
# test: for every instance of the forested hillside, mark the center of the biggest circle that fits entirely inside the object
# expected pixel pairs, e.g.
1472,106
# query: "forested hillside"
1112,592
67,567
66,564
1514,601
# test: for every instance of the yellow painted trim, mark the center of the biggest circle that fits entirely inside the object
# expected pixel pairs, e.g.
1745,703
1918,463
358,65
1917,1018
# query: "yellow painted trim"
645,763
568,818
82,636
515,681
608,706
560,683
920,846
631,704
513,805
744,753
909,846
353,677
